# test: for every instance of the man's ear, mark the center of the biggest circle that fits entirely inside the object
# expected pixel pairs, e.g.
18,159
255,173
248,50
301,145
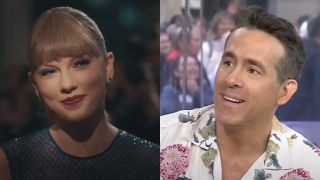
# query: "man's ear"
30,77
109,61
287,90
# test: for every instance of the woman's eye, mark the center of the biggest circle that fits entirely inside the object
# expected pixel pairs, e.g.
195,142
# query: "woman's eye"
47,72
81,63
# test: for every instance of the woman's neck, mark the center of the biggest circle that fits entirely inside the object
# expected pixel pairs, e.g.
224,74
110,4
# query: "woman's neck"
85,138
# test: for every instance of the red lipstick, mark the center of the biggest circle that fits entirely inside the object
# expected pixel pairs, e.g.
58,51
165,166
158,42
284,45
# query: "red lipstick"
71,101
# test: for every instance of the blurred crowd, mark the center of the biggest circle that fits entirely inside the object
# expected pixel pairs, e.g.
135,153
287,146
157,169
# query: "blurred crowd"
190,51
18,104
190,84
306,101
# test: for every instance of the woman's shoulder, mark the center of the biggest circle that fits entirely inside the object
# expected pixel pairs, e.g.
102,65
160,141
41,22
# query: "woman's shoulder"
133,141
29,140
139,154
137,147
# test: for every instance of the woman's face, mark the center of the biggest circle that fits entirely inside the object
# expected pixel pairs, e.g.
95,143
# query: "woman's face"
193,70
226,24
74,88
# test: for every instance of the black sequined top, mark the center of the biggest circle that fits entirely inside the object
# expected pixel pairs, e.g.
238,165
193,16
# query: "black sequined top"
37,157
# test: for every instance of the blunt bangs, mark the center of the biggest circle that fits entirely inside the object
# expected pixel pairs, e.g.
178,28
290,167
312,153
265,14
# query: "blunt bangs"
58,34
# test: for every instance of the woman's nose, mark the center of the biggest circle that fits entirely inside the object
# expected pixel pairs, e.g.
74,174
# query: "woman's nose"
68,83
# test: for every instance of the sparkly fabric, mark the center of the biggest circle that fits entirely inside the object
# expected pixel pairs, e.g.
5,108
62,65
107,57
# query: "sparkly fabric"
37,157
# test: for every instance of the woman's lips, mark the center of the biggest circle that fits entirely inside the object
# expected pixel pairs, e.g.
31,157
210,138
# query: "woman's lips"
71,101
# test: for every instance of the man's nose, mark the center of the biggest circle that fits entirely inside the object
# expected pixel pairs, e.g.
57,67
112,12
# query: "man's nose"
234,78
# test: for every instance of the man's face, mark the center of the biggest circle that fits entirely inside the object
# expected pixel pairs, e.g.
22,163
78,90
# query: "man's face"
247,90
195,42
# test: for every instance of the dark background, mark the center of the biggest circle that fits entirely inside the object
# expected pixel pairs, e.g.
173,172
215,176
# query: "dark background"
130,29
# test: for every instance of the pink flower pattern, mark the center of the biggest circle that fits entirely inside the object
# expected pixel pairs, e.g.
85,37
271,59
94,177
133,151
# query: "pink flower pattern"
174,160
296,174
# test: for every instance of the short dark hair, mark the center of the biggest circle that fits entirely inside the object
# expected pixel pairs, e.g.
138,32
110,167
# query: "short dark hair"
290,66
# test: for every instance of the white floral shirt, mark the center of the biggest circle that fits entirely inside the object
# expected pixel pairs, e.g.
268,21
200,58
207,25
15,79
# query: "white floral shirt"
189,150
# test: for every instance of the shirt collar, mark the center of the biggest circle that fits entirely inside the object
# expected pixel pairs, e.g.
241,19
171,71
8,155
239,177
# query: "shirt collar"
203,135
203,131
278,148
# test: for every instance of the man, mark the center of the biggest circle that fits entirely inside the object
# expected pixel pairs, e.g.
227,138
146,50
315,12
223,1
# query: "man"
239,137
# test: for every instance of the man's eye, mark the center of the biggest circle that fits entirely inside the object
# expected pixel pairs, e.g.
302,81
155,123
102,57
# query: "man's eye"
227,63
81,63
253,71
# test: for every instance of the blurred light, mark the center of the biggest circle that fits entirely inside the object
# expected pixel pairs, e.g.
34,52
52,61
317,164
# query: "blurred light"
128,16
98,3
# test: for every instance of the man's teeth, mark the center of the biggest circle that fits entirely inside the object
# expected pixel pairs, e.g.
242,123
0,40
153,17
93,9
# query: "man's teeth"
232,99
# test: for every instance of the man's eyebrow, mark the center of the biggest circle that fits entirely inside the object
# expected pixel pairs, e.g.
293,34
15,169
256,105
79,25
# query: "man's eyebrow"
228,54
256,63
250,61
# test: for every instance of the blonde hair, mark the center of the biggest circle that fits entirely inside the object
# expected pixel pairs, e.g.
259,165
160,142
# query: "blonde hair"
64,32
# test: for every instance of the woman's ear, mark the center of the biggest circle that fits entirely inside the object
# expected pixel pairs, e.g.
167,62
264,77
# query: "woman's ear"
30,77
109,61
287,90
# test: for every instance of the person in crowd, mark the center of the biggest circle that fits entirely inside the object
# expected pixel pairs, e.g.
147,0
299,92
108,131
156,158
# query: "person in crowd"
165,43
220,26
233,7
239,136
301,25
187,42
69,67
172,97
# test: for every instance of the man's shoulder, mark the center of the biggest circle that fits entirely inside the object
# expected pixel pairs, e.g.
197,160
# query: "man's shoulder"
184,116
304,153
176,126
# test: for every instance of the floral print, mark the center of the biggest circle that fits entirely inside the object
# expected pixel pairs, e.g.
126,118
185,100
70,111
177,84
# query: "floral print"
296,174
313,147
209,130
288,154
208,159
271,154
174,160
260,174
290,140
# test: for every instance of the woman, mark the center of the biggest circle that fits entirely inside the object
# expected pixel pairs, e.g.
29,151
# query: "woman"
69,69
220,26
171,98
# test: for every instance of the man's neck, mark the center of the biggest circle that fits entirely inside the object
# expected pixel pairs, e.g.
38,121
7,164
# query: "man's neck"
241,146
237,140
